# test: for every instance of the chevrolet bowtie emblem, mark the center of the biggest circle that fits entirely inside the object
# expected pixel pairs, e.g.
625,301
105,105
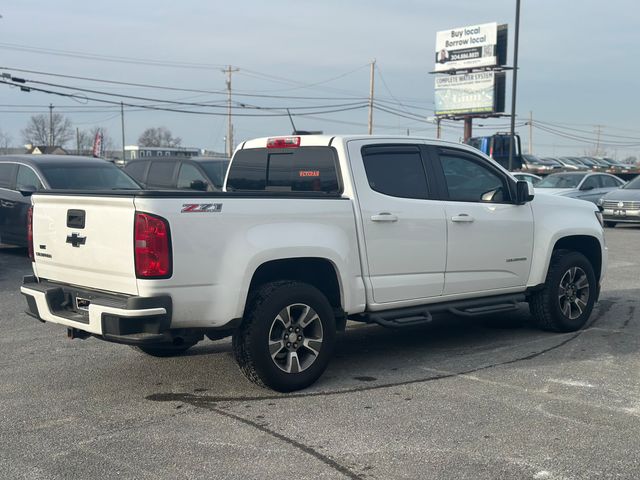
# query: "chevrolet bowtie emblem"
76,240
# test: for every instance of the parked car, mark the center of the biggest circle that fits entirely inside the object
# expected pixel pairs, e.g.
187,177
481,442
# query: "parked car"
574,161
528,177
22,175
622,205
535,165
566,163
203,174
585,186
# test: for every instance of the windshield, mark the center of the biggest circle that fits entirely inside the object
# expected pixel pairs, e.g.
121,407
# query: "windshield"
216,171
101,176
633,184
560,181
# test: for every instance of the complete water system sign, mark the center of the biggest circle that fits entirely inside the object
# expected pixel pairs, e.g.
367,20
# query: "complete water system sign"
480,92
476,46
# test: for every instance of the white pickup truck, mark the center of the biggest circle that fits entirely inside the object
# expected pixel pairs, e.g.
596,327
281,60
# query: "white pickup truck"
309,232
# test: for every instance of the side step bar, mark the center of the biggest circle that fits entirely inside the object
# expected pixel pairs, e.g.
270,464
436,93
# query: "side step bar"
405,317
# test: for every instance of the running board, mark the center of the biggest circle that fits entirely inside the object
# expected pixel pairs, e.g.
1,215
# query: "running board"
405,317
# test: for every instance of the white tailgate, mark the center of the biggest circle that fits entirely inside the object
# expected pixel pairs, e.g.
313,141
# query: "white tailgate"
105,261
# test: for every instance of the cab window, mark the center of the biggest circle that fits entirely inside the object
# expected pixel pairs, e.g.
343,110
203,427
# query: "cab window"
396,171
468,179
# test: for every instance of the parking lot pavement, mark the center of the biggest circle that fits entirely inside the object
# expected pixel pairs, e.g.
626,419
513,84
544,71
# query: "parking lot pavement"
460,399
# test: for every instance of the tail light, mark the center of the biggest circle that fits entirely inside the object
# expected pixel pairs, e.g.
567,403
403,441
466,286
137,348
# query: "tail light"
152,244
283,142
30,233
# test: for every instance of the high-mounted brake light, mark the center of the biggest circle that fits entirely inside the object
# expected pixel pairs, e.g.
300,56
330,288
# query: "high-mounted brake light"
283,142
30,233
152,245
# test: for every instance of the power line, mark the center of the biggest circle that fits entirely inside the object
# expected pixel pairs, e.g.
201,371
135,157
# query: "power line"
176,110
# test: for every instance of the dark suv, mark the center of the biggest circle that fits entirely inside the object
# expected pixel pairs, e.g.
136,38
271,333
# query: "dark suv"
22,175
205,174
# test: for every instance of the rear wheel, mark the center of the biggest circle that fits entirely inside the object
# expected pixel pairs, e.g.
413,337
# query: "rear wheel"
566,301
609,224
287,336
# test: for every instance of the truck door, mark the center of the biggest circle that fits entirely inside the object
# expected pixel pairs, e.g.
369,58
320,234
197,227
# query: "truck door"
490,239
404,228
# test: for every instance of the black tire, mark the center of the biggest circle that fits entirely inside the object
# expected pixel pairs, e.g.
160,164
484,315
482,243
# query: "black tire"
565,310
264,325
164,349
609,224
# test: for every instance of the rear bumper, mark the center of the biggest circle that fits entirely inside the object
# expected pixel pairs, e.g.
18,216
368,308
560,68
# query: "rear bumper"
116,318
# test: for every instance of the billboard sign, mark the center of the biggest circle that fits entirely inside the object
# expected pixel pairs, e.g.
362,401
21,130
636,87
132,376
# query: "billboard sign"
480,92
467,47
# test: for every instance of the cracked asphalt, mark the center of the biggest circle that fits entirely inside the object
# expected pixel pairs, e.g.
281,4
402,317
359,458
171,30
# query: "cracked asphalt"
490,398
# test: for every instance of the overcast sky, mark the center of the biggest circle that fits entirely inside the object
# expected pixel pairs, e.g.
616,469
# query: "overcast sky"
579,66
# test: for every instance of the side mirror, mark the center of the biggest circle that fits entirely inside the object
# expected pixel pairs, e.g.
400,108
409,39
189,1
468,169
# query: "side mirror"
586,187
28,190
199,185
524,192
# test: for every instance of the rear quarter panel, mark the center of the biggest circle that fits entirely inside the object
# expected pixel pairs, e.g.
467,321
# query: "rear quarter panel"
215,254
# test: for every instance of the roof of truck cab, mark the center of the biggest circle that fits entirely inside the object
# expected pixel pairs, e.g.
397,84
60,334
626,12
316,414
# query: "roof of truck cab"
326,140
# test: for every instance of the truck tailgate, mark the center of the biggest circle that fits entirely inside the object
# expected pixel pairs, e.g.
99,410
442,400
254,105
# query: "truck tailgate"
88,243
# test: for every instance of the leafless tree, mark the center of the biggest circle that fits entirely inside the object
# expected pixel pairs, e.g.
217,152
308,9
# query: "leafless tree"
38,130
5,142
158,137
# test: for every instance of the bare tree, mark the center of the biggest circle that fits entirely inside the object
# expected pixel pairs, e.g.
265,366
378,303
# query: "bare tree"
5,142
84,141
38,130
158,137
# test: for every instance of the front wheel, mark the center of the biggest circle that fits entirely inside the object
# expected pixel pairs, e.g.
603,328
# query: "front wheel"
566,301
287,336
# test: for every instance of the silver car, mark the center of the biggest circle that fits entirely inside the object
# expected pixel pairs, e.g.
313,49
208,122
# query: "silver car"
622,205
582,185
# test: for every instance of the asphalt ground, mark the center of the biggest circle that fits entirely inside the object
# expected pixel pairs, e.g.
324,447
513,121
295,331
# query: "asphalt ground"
491,398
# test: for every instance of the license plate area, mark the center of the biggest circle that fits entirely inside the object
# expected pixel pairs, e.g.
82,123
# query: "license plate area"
620,213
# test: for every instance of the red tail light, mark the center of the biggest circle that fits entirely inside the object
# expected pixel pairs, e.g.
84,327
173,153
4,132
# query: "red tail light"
152,244
30,233
283,142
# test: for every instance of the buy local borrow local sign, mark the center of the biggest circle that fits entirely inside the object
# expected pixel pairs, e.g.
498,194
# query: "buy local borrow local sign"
467,47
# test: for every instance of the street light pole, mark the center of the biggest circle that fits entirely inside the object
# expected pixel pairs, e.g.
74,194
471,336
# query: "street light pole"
515,84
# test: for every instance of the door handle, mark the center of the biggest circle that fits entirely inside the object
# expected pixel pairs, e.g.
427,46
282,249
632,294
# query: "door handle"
384,217
462,218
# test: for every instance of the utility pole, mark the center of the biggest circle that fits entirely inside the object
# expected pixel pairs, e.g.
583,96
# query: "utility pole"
468,128
598,140
530,132
51,125
515,84
77,141
229,71
438,128
371,80
122,124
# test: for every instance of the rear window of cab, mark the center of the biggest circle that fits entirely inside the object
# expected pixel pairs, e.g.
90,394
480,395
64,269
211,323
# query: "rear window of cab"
305,169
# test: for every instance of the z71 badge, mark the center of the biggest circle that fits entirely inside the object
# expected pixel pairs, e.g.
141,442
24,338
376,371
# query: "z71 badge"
201,208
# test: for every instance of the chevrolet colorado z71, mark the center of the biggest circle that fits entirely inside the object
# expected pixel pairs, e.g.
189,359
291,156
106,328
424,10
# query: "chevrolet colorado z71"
309,232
